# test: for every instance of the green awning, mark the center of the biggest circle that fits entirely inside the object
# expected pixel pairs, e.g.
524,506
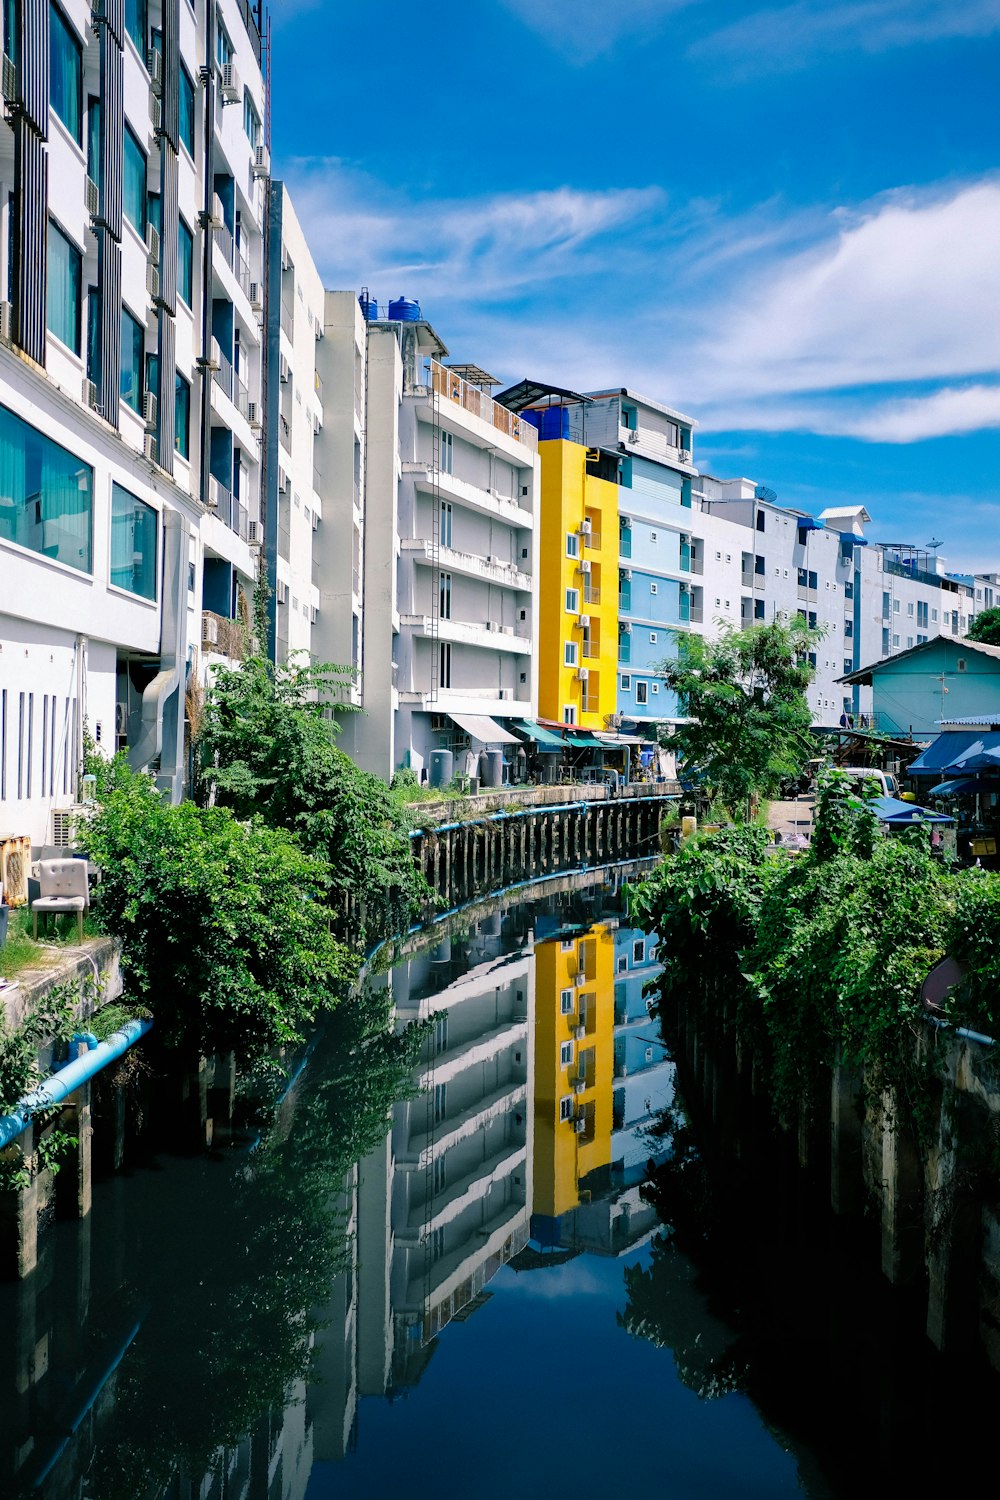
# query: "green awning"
583,741
543,738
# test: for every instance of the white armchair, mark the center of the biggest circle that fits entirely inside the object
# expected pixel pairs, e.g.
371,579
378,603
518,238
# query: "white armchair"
64,887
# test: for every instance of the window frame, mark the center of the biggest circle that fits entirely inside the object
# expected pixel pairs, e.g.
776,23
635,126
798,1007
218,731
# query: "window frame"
57,13
119,491
135,406
641,693
130,135
76,347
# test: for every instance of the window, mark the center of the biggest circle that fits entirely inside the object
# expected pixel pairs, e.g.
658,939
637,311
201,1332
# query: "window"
655,687
185,262
135,24
653,588
760,520
185,113
46,495
569,654
934,615
133,348
759,566
223,46
568,945
440,1101
642,692
94,139
652,536
802,535
895,606
848,629
812,619
909,641
182,416
573,601
895,640
134,185
813,580
909,609
133,544
251,119
444,664
803,578
565,1054
447,453
572,544
566,1107
886,606
446,520
848,589
63,298
626,682
566,1000
652,636
569,714
758,609
444,596
65,74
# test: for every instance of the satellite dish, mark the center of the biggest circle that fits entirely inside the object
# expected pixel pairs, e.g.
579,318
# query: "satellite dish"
933,544
761,492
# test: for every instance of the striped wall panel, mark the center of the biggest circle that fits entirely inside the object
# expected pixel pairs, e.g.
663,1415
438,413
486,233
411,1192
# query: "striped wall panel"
170,102
112,144
31,197
168,231
108,361
34,79
165,408
112,12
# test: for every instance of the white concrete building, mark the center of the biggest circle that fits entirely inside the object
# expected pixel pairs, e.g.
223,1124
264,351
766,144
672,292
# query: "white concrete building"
443,544
129,366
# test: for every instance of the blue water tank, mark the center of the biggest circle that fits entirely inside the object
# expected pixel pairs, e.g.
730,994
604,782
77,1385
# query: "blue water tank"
552,422
403,310
369,308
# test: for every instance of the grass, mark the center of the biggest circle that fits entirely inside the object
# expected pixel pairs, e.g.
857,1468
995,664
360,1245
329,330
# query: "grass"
21,953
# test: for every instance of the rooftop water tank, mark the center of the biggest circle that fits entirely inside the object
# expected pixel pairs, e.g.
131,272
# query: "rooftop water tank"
369,307
403,310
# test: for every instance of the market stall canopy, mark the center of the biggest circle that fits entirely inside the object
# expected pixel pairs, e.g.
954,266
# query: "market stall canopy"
946,749
544,738
607,738
980,756
960,787
487,731
892,810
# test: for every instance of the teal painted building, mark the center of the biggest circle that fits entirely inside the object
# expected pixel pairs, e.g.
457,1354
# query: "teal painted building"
941,679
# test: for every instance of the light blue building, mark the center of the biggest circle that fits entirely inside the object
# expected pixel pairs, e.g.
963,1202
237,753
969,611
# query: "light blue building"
643,1071
940,680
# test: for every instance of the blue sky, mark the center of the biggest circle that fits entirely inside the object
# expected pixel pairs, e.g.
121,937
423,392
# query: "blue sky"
782,219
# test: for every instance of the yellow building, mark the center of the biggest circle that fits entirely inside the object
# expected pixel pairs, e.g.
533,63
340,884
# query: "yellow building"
577,641
574,1065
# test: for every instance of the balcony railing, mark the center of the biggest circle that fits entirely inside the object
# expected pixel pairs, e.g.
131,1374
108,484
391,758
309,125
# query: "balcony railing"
592,541
227,637
224,240
285,431
591,595
694,616
589,703
287,319
445,382
243,275
223,376
242,399
356,582
692,564
591,650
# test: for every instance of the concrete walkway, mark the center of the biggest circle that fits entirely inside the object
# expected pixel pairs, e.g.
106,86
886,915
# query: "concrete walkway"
94,958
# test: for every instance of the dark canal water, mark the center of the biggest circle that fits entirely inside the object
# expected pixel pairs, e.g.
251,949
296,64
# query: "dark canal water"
538,1280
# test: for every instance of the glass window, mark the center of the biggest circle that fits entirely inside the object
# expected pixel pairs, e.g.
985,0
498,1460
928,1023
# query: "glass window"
566,1002
569,653
65,74
573,600
641,691
186,112
133,544
135,24
223,46
572,544
94,139
182,416
251,119
134,188
63,300
447,453
185,262
46,494
566,1054
133,349
446,523
566,1107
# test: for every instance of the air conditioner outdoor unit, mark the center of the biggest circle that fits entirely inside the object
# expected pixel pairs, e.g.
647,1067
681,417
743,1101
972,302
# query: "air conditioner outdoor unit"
88,393
218,215
255,534
283,482
8,80
580,1086
585,565
64,825
580,1125
256,297
149,411
253,415
285,371
215,355
626,523
627,575
149,448
155,114
626,627
154,67
633,437
586,529
121,718
685,588
582,674
581,1033
262,162
684,454
230,84
584,622
92,197
153,282
6,322
209,630
282,592
153,240
214,493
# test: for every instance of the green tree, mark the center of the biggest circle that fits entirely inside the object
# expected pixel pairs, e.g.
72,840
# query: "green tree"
744,696
986,627
267,748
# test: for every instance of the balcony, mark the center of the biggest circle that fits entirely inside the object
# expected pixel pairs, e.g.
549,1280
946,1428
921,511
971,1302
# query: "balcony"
469,564
592,541
693,616
223,376
591,595
285,432
692,564
222,637
589,703
287,319
591,650
461,492
489,635
445,383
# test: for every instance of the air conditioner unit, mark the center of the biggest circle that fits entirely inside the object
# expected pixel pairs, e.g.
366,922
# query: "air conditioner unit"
154,67
685,588
155,114
285,371
627,575
8,81
253,415
153,240
256,297
93,197
580,1086
581,1033
284,484
6,322
209,630
149,411
214,493
584,622
88,392
626,523
229,86
684,454
282,591
255,534
582,674
217,218
121,718
585,565
580,1125
149,448
64,826
633,437
493,625
579,977
262,162
153,282
586,529
215,355
626,627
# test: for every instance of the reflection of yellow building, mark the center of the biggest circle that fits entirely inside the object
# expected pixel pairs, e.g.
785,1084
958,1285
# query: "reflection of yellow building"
578,597
574,1065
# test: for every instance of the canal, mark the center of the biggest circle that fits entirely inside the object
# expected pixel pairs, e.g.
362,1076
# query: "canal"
540,1275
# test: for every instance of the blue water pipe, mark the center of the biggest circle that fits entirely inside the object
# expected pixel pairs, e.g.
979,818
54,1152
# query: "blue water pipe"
61,1084
963,1031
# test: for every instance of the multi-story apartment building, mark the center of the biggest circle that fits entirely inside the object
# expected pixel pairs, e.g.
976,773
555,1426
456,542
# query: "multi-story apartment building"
448,491
132,197
293,411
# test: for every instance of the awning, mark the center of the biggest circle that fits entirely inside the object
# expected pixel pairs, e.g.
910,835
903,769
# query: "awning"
487,731
606,738
946,749
544,738
978,757
582,740
961,786
892,810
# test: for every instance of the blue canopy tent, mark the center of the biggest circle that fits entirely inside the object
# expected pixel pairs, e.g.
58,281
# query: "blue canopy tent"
961,786
978,757
896,813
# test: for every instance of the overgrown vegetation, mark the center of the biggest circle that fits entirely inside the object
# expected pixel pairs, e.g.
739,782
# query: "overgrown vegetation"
51,1020
824,954
743,696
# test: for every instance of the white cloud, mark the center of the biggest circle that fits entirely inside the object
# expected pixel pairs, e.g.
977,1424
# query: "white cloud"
944,413
791,36
581,30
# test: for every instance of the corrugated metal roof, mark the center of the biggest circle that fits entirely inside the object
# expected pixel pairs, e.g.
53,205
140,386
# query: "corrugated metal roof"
945,750
863,675
985,721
